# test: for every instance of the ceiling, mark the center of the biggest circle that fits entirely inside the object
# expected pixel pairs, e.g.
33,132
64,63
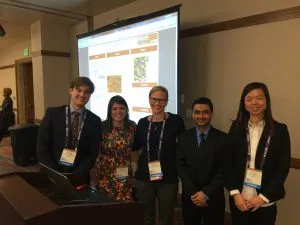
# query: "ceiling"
17,16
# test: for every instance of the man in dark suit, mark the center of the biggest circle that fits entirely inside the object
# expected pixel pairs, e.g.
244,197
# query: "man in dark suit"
69,135
199,168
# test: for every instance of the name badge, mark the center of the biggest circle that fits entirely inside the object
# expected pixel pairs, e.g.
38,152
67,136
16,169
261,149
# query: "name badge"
253,178
68,157
155,170
122,173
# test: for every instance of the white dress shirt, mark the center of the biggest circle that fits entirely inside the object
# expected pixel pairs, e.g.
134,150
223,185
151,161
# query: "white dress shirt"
255,131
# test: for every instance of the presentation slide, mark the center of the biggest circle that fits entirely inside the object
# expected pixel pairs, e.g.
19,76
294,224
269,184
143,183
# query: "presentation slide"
129,61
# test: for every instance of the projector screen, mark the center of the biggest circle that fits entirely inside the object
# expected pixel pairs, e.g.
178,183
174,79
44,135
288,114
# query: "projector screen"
130,57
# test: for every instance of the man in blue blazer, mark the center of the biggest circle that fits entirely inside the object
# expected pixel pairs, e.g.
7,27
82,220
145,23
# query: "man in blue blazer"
64,146
199,168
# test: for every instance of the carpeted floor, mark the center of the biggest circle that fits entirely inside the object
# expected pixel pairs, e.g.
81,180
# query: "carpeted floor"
7,164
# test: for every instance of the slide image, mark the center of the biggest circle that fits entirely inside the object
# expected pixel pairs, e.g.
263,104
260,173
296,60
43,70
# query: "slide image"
114,83
140,68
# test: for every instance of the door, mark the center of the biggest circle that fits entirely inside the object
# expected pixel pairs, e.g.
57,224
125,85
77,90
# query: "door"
28,88
24,80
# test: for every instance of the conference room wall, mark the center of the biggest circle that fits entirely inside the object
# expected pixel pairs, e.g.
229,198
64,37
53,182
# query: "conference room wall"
193,13
8,79
9,54
75,30
219,65
8,76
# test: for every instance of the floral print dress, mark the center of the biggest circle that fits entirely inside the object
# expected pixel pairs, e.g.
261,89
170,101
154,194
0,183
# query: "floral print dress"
115,152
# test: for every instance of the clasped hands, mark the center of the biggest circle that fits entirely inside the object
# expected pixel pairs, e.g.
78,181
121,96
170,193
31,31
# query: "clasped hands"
244,205
199,199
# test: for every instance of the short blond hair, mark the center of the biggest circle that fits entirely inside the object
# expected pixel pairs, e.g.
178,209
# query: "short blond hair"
159,88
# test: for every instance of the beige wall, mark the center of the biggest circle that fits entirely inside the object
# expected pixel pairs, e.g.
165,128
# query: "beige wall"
219,65
195,12
8,79
75,30
8,76
288,208
11,53
51,74
216,65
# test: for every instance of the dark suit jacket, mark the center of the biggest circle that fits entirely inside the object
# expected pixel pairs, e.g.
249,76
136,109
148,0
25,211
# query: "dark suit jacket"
52,135
277,163
7,116
200,169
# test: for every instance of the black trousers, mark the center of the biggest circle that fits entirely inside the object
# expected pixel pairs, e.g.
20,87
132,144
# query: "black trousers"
262,216
3,130
164,193
6,120
211,215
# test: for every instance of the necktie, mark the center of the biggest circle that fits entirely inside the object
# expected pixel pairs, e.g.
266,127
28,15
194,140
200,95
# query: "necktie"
75,127
202,139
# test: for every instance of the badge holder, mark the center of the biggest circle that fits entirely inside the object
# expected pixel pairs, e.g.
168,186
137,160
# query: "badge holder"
122,173
253,178
68,157
155,170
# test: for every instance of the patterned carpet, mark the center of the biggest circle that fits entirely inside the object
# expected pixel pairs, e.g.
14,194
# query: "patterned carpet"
7,164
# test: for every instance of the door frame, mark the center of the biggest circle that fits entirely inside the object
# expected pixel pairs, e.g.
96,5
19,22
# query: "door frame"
20,89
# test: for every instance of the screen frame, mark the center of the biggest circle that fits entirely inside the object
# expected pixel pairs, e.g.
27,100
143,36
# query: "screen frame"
137,19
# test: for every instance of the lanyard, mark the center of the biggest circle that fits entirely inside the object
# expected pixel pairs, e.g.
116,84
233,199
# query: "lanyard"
266,149
160,138
68,124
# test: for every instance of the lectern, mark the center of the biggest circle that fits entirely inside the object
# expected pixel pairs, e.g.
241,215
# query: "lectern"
24,203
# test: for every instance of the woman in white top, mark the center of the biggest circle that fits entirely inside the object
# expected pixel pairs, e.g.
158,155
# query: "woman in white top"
257,159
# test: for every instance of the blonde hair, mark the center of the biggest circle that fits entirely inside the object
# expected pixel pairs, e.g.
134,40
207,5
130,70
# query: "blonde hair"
159,88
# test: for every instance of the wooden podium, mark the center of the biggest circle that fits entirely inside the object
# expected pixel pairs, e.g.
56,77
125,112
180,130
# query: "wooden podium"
22,204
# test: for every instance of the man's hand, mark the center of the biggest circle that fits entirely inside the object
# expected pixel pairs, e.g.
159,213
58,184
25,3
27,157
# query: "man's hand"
240,202
255,203
199,199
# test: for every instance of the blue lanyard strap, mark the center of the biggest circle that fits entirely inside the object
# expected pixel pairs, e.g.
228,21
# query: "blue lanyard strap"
266,149
68,124
160,139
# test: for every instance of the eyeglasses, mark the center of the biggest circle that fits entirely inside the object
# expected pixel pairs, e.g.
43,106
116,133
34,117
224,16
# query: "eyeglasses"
157,100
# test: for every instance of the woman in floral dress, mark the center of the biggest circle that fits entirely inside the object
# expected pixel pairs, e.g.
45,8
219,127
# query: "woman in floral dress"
113,166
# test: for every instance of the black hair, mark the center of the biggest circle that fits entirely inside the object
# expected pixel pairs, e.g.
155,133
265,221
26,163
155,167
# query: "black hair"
205,101
119,100
243,115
